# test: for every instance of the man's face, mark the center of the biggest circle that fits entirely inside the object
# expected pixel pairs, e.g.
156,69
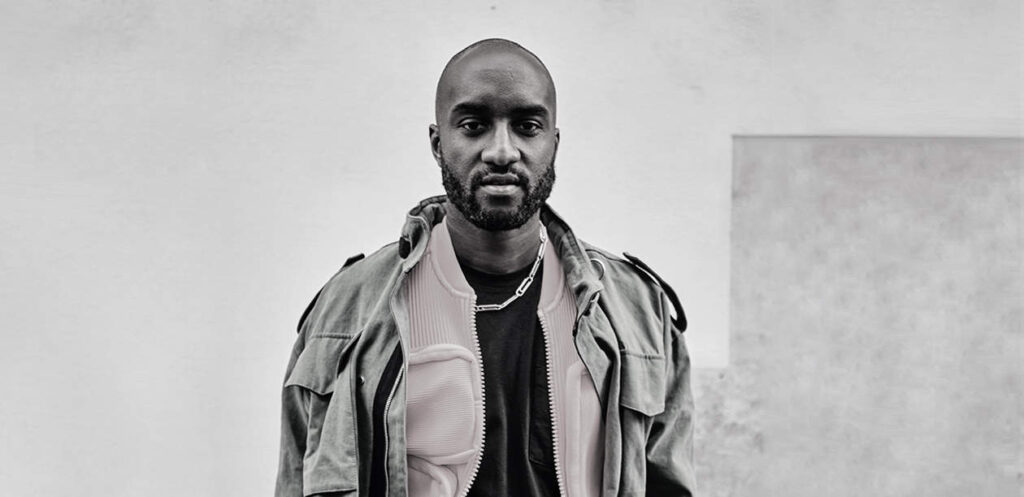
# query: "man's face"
495,139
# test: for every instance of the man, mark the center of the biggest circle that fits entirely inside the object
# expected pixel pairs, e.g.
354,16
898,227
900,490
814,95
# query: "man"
489,352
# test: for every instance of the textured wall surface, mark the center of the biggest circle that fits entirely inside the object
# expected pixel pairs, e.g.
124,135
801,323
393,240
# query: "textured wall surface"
878,298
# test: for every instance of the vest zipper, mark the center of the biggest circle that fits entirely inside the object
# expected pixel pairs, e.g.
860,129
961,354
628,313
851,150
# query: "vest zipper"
551,404
387,440
483,403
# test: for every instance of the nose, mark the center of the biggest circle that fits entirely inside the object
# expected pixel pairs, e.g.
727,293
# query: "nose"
500,150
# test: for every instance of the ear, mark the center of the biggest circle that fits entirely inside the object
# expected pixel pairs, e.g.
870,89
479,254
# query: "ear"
435,143
558,138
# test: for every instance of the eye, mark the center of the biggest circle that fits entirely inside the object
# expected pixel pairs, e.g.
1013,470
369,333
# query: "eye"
472,126
529,127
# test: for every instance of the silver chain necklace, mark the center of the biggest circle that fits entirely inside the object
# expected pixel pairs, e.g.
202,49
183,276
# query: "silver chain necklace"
524,286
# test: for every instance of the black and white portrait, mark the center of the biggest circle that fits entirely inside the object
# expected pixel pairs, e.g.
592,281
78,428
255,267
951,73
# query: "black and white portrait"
597,248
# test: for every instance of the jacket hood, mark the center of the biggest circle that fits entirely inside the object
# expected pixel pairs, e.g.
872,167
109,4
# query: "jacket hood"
581,277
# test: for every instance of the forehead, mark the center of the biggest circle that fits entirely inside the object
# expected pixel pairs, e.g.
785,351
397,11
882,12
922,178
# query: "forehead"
498,80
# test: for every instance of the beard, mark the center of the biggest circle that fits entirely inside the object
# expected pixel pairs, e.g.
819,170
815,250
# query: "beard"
463,197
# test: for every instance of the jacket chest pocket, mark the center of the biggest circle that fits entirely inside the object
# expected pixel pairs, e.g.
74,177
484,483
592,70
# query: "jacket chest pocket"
330,462
643,383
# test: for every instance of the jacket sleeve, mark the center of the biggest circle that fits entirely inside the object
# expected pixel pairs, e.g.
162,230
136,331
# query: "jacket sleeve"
670,461
294,418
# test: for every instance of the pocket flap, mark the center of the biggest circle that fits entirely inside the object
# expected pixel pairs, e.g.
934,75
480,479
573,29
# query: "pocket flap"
643,383
316,368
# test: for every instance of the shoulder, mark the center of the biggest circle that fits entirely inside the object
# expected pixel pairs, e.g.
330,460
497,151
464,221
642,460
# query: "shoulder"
362,271
618,270
359,283
627,276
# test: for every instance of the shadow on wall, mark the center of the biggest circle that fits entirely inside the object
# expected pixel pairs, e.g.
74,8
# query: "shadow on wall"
876,321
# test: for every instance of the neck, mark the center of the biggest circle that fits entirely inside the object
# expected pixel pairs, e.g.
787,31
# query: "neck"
494,252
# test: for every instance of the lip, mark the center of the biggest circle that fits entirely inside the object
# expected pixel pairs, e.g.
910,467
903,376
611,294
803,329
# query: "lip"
500,179
500,190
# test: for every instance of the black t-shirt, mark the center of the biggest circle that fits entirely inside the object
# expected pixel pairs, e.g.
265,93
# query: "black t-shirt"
518,454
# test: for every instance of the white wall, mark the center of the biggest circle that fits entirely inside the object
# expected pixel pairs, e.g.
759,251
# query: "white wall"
179,178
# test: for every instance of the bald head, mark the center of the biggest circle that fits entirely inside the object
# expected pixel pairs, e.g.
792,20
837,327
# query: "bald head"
492,58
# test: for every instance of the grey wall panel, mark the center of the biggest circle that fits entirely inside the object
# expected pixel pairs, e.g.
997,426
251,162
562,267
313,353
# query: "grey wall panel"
876,321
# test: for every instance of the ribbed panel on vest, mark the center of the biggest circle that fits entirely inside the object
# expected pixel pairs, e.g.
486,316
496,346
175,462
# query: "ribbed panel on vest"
437,316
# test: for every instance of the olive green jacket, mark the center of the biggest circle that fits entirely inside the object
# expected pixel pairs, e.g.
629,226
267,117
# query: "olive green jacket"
349,336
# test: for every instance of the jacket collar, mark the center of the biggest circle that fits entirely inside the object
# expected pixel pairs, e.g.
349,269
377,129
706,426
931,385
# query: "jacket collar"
580,274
